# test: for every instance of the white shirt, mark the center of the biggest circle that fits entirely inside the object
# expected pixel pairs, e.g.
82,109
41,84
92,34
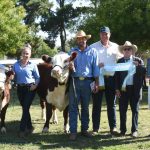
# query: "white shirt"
107,55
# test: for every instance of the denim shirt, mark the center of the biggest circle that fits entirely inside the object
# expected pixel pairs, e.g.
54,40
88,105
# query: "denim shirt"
86,63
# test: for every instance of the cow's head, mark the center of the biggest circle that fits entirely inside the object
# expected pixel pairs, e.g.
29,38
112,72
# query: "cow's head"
60,69
5,77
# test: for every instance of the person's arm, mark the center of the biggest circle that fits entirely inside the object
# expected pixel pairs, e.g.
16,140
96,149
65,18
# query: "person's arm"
37,78
96,88
36,75
96,71
117,87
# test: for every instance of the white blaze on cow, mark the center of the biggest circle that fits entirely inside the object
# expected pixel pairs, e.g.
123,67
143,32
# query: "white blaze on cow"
60,71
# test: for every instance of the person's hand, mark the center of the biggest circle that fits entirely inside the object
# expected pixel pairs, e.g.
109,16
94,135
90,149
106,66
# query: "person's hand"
118,94
96,88
33,87
101,65
71,66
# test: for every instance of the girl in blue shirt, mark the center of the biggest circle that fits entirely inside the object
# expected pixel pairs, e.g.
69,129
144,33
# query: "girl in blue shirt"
27,79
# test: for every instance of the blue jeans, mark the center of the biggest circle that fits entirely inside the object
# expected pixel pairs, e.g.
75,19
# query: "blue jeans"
83,91
25,97
110,101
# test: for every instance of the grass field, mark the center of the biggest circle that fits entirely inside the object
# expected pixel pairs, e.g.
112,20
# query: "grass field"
56,139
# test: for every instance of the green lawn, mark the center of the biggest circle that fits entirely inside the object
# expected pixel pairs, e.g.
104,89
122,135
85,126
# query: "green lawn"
56,139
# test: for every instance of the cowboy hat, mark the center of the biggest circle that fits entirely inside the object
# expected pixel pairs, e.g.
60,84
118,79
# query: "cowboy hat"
81,33
128,44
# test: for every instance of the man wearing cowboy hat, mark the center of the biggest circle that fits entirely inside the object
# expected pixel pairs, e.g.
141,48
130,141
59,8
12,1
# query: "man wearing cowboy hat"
108,54
84,70
133,86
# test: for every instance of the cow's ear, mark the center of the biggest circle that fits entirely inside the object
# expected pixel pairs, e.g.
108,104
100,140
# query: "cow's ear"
46,58
9,73
73,56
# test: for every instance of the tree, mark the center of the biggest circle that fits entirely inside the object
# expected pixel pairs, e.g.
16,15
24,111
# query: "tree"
128,20
56,22
34,11
13,33
53,22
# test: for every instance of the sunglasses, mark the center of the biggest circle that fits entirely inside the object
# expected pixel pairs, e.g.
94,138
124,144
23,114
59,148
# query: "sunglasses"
127,49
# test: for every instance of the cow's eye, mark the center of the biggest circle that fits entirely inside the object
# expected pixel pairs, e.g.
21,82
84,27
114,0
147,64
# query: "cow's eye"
65,61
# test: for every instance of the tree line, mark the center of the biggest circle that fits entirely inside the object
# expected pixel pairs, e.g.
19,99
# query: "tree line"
21,20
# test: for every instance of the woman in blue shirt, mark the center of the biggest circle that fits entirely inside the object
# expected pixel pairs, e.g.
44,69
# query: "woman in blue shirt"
27,79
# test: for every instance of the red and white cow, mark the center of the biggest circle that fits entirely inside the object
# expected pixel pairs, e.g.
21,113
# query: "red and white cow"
5,78
44,70
55,90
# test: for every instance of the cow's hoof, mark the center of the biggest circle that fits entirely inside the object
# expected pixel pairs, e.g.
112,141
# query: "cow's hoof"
3,130
45,130
55,121
66,129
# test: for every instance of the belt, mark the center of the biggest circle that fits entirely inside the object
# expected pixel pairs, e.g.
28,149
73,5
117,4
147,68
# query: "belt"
25,85
107,76
84,78
130,86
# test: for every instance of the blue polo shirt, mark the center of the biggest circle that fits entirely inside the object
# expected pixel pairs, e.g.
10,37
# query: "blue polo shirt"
27,74
86,63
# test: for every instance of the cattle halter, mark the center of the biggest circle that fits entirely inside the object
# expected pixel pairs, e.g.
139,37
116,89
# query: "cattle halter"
63,75
63,68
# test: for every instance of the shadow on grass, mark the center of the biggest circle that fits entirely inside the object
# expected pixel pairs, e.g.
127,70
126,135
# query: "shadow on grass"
54,140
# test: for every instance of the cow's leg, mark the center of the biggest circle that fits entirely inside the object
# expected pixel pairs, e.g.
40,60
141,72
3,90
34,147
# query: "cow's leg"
48,117
2,116
54,115
43,106
65,115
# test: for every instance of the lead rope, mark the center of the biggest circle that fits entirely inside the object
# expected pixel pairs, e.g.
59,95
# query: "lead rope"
76,98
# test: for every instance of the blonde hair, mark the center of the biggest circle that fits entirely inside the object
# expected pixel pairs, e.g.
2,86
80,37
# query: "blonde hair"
27,45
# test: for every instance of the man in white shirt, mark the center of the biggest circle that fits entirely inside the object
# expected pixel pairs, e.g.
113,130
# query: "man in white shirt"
108,54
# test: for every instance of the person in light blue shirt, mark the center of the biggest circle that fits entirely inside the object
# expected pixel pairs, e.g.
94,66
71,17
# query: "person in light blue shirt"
85,70
27,74
27,79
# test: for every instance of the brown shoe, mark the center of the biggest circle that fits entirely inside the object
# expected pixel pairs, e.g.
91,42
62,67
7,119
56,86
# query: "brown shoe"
87,134
114,131
73,136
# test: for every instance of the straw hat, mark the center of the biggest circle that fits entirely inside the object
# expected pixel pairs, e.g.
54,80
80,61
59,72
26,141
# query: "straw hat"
128,44
81,33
